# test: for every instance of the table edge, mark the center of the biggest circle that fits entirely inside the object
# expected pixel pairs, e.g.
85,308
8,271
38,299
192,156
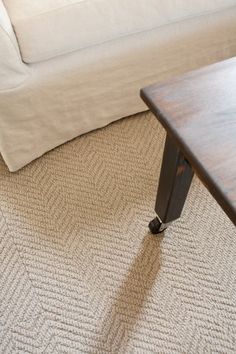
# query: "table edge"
201,172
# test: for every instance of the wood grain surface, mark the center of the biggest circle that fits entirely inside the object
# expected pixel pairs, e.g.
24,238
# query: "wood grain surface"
198,110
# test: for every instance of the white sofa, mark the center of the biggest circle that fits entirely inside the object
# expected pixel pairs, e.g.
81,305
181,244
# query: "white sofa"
70,66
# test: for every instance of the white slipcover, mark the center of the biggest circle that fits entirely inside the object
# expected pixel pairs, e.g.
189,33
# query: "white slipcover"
46,29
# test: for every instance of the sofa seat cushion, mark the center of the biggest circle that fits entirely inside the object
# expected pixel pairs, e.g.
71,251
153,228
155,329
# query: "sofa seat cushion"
49,28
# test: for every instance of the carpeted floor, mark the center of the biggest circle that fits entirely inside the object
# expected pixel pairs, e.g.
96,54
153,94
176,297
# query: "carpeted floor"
81,274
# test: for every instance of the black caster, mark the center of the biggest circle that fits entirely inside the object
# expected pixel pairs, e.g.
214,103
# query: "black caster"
156,226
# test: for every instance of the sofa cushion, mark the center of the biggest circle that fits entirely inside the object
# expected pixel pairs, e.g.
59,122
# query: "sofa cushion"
49,28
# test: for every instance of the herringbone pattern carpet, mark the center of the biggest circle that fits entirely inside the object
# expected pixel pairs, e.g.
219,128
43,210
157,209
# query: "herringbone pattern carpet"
81,274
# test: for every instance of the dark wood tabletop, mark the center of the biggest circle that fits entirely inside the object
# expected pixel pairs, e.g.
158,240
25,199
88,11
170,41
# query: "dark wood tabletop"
198,110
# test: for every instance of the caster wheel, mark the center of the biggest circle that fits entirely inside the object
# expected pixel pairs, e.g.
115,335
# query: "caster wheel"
156,227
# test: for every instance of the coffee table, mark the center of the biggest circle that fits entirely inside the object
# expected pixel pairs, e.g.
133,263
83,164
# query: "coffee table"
198,111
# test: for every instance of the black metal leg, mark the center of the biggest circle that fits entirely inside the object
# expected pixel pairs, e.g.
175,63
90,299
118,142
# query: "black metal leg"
175,180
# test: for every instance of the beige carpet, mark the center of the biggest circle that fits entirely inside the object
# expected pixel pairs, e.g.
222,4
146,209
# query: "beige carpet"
81,274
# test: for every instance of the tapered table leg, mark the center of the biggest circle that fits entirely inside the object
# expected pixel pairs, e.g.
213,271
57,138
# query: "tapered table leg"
175,180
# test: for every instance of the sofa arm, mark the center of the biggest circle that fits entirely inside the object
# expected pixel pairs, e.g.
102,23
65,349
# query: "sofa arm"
12,70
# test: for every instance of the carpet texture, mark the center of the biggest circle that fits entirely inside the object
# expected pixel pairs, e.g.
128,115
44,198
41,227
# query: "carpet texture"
81,274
